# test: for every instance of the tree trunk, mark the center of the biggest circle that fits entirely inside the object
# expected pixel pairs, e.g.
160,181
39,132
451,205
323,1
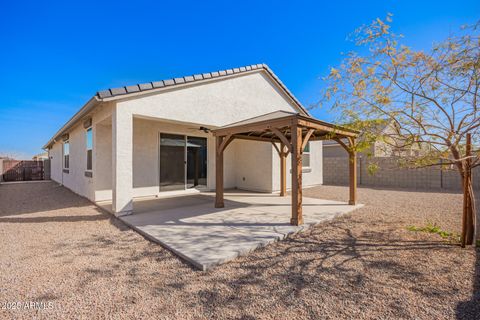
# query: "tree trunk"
468,220
469,213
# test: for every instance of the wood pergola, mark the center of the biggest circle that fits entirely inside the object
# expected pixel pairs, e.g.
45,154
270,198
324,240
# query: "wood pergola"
291,131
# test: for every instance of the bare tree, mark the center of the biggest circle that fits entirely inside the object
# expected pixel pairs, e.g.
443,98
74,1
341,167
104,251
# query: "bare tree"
431,97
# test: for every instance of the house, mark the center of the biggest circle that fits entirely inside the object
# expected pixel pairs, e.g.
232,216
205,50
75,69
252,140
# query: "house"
40,157
156,138
389,145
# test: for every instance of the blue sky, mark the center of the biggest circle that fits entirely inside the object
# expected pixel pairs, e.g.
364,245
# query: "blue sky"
55,55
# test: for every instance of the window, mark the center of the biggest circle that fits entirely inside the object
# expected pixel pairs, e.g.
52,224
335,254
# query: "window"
66,154
306,156
89,139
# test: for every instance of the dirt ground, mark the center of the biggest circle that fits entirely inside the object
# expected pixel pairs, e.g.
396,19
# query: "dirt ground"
60,250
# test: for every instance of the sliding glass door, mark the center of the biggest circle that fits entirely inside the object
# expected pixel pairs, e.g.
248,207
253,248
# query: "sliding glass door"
172,162
196,162
183,162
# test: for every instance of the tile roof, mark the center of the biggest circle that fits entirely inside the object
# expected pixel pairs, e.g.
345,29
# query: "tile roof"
142,87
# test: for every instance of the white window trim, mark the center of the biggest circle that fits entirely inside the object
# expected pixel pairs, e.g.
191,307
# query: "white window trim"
86,149
309,167
63,154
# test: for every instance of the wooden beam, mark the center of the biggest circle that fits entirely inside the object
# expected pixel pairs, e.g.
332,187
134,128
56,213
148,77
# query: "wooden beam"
344,146
283,171
226,141
353,173
306,138
256,138
327,128
219,173
258,126
276,148
297,216
282,137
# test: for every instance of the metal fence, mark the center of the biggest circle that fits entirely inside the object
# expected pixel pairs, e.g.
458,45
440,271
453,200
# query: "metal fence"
24,170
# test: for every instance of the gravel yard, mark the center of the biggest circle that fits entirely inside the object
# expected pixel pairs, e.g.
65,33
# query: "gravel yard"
59,248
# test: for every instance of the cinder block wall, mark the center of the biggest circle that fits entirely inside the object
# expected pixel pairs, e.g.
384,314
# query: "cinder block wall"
389,174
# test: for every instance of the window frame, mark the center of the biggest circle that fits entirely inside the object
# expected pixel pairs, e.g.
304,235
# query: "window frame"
306,153
87,149
66,163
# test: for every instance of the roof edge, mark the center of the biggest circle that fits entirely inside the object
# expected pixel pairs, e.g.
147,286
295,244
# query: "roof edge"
117,93
120,92
87,107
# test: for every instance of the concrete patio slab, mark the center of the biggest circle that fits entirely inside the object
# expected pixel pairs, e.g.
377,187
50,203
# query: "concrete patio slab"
193,229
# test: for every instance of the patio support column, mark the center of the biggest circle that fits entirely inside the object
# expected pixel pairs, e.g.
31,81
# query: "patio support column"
297,216
353,172
219,173
283,171
222,142
122,154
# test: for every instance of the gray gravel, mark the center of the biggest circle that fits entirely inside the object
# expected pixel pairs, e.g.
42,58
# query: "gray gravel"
59,248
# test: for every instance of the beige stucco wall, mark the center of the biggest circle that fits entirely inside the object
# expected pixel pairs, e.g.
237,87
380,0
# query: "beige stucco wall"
75,179
311,175
103,164
211,104
247,165
146,169
55,155
214,103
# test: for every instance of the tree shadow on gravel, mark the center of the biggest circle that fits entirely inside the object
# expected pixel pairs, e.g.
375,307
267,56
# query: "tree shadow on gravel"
471,309
340,269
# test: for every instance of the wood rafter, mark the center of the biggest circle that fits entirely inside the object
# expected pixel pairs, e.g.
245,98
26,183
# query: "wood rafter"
306,138
282,137
344,146
226,141
276,148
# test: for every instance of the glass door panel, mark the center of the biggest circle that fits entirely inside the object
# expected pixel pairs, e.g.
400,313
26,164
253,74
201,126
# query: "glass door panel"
172,162
196,162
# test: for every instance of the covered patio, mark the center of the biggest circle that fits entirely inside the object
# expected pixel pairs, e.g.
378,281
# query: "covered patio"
206,235
289,133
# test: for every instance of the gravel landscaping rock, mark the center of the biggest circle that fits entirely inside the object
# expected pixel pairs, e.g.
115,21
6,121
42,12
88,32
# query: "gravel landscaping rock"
60,249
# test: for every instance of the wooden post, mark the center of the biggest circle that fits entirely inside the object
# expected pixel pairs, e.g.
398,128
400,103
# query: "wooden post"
219,174
296,154
283,171
468,223
353,173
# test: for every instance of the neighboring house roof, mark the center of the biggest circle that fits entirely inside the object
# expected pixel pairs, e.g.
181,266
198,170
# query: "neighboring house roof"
123,92
41,155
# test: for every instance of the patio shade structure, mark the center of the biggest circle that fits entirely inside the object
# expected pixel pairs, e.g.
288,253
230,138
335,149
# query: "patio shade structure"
291,131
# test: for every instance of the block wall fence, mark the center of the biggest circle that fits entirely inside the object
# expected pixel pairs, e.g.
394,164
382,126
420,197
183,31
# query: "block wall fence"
389,174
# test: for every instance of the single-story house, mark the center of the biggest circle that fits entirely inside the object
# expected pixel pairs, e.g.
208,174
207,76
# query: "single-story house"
41,156
388,143
158,137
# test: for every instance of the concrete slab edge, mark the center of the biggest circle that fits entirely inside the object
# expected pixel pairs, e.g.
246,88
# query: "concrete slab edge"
208,266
